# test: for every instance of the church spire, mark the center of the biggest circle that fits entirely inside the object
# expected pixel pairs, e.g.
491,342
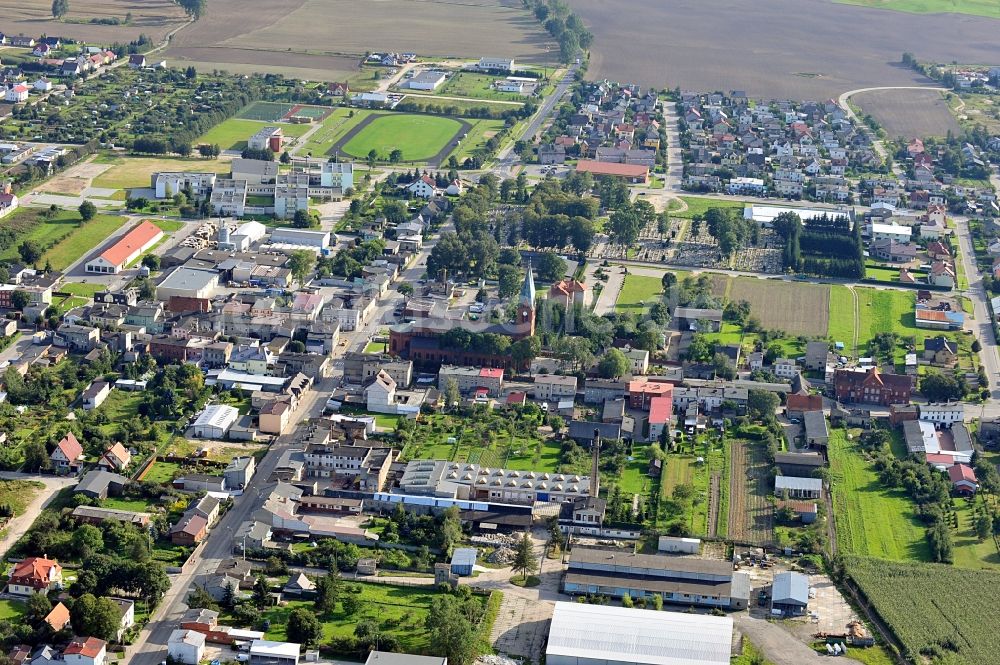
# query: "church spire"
528,290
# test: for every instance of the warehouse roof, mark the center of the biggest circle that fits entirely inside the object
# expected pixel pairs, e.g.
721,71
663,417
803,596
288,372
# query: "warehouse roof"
790,587
618,634
684,564
794,483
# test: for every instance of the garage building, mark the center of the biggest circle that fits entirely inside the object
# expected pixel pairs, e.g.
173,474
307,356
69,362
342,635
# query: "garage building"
126,249
790,593
606,635
215,421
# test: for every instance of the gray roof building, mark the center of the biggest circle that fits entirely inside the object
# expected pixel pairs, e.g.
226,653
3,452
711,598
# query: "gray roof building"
790,589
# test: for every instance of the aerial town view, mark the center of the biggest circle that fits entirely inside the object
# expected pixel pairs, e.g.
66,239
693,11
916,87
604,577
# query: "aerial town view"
499,332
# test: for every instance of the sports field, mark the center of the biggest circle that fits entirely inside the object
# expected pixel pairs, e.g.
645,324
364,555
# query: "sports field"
233,134
871,520
331,130
419,137
265,111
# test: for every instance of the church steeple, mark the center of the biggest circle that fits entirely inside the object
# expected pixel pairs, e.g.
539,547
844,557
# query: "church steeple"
528,290
526,304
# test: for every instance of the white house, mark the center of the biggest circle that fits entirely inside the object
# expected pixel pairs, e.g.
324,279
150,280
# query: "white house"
18,93
186,646
43,85
944,413
423,188
896,232
497,64
86,651
785,368
380,395
554,387
127,608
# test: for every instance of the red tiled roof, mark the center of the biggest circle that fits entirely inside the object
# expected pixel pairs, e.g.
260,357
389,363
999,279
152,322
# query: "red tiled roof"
140,235
804,403
70,447
660,409
491,373
961,472
58,617
36,570
90,647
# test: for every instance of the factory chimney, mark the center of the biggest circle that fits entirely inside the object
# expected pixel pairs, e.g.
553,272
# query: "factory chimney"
595,451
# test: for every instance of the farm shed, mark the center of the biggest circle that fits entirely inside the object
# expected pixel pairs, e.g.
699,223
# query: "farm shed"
676,545
215,421
604,635
463,560
798,488
790,593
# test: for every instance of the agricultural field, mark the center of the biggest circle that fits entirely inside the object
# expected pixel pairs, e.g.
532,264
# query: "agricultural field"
477,86
751,513
908,113
972,7
638,293
941,612
871,520
798,308
135,172
151,17
233,134
827,48
420,137
328,37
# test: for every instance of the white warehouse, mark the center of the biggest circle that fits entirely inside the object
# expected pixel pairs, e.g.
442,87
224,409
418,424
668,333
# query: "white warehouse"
300,237
215,421
606,635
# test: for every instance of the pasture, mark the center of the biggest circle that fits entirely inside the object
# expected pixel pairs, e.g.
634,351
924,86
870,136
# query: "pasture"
151,17
233,134
133,172
481,132
871,520
941,612
419,137
826,48
908,113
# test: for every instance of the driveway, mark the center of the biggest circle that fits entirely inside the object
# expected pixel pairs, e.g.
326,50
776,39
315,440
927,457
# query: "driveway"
18,526
778,645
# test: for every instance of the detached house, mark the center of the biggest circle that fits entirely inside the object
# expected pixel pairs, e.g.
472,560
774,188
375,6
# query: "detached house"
86,651
115,458
67,458
872,387
35,575
424,187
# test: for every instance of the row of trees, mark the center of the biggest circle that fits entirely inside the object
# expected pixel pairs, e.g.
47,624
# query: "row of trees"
828,246
563,25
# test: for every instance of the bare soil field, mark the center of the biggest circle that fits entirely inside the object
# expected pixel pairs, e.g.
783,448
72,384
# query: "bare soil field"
909,113
34,17
75,179
815,49
795,307
327,36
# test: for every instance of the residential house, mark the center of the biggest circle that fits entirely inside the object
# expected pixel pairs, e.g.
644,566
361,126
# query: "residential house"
95,394
186,646
115,458
35,574
941,351
872,387
67,458
963,479
189,530
85,651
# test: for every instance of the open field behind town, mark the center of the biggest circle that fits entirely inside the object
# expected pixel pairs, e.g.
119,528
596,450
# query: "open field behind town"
34,17
909,113
824,48
233,134
796,308
131,172
974,7
324,39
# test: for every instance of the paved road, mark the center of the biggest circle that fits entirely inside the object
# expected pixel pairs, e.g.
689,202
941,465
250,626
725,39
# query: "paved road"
21,523
778,645
982,325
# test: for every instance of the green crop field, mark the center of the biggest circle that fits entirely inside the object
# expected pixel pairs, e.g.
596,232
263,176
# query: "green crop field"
82,240
841,326
943,613
638,293
233,134
987,8
871,519
419,137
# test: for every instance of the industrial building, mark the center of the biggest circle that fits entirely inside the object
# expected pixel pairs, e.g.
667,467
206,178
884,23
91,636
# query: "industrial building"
455,480
677,579
300,237
214,422
790,593
186,282
126,249
427,80
605,635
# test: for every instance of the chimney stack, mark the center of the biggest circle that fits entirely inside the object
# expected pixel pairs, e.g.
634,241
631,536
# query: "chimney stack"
595,451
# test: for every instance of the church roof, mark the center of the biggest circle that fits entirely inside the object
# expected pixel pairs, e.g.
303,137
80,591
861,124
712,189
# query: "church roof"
528,289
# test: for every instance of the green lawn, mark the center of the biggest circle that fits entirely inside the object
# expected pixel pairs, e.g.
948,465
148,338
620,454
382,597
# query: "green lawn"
82,240
11,609
331,130
401,611
638,293
30,224
699,206
841,327
162,472
18,494
871,520
882,273
482,131
988,8
375,347
135,505
419,137
82,290
233,134
478,86
168,225
967,549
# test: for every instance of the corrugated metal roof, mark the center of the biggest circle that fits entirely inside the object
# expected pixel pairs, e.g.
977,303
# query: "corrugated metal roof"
605,633
790,587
